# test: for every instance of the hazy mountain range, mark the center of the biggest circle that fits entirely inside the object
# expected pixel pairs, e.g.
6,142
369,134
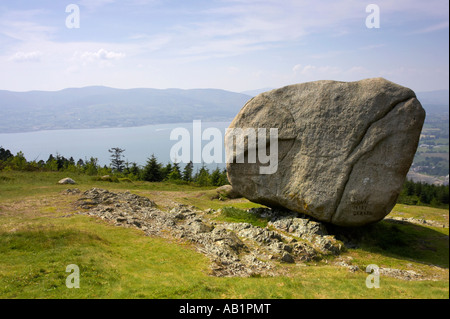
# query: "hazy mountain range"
97,107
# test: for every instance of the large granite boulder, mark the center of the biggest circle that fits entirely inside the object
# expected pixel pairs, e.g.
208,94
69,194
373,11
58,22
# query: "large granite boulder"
344,148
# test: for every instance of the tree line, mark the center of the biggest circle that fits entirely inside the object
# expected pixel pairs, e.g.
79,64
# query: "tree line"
152,171
419,193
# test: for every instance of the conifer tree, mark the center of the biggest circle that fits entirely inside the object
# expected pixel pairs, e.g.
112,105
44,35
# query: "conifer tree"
187,172
117,163
203,177
152,171
175,174
215,177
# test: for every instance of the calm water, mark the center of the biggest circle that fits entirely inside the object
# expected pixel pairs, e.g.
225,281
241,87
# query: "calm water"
139,142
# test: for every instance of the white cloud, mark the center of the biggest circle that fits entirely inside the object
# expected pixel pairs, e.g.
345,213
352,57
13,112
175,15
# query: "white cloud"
234,28
372,46
328,72
297,68
233,70
357,70
261,40
312,70
432,28
407,9
329,54
101,54
101,57
92,5
21,25
34,56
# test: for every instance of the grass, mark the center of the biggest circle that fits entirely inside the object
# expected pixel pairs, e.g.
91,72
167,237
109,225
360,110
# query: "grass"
113,262
420,212
396,243
39,238
122,263
236,215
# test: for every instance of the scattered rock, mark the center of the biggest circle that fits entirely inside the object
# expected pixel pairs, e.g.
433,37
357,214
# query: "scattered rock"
96,196
306,228
389,272
351,268
287,258
418,221
71,191
66,180
235,249
200,227
338,148
401,274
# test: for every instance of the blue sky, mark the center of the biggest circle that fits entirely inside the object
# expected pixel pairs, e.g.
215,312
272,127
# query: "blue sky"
235,45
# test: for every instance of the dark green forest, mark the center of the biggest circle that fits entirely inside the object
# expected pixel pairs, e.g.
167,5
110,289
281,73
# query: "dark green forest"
152,171
419,193
413,193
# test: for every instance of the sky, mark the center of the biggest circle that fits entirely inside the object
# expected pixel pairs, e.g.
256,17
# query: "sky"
235,45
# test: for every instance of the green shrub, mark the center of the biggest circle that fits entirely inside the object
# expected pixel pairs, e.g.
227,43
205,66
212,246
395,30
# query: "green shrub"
236,215
107,178
125,180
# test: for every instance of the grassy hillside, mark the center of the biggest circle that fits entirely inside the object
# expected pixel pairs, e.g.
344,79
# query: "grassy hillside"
41,234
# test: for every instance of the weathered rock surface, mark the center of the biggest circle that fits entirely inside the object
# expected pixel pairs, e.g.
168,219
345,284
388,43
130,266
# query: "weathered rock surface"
344,148
235,249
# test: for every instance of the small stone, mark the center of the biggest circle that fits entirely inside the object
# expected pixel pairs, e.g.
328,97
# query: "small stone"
353,268
287,248
66,180
198,227
287,258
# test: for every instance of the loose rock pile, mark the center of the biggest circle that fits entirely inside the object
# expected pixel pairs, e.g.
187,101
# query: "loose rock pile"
235,249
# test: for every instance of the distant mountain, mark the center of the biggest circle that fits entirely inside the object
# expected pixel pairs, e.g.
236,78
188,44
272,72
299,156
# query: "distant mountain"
434,97
434,102
256,92
97,107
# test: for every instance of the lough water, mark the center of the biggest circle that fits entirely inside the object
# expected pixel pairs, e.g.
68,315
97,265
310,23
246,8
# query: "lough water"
139,142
